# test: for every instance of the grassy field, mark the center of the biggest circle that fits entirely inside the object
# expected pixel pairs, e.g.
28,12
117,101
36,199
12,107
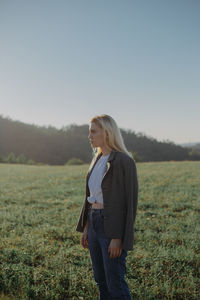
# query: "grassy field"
40,254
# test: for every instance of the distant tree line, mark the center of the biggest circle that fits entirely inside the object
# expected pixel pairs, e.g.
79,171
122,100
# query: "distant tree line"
12,159
26,143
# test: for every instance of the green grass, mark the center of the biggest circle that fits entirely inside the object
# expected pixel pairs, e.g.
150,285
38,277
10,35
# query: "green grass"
40,254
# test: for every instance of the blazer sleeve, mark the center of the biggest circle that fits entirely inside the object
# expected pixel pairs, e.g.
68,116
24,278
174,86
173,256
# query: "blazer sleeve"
131,196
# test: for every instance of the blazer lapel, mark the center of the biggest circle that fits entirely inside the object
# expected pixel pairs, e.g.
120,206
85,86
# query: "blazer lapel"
93,163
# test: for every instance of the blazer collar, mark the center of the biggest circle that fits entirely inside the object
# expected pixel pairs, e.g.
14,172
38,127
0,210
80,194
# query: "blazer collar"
111,156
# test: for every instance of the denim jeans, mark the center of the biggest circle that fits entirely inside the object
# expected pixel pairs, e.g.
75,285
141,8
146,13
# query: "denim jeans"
109,273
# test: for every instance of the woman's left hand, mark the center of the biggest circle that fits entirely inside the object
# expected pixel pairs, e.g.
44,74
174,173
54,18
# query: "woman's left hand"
115,248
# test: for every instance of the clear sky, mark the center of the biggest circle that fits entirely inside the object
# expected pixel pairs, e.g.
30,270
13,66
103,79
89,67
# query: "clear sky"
64,61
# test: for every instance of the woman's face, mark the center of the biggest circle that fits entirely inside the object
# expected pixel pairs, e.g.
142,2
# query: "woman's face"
96,136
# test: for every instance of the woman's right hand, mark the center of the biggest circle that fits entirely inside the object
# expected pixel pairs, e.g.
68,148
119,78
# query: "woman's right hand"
84,239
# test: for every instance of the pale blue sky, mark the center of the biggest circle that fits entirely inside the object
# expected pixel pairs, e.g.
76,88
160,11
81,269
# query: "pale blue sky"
64,61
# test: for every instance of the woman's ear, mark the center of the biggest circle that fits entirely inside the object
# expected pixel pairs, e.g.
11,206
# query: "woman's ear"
107,138
106,134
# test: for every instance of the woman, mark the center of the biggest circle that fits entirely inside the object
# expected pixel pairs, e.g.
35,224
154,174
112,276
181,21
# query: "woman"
108,214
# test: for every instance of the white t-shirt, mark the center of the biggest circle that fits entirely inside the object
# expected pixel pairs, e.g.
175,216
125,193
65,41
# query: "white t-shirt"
95,180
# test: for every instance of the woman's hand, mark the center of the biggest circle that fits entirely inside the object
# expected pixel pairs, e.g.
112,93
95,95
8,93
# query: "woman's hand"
115,248
84,236
84,239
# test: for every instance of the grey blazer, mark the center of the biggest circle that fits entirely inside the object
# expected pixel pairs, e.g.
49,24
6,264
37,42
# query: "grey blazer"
120,196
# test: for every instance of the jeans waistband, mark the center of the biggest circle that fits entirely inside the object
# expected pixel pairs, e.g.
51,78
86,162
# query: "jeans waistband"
96,210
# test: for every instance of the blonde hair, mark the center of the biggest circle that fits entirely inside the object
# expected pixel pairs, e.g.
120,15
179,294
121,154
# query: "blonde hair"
111,132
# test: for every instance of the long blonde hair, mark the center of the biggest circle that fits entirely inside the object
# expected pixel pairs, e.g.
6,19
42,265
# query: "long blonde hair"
113,138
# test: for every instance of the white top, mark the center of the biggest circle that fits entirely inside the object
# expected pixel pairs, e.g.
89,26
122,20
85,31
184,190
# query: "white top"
95,180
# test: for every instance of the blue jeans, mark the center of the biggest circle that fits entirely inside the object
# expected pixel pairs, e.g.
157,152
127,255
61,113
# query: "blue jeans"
109,273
